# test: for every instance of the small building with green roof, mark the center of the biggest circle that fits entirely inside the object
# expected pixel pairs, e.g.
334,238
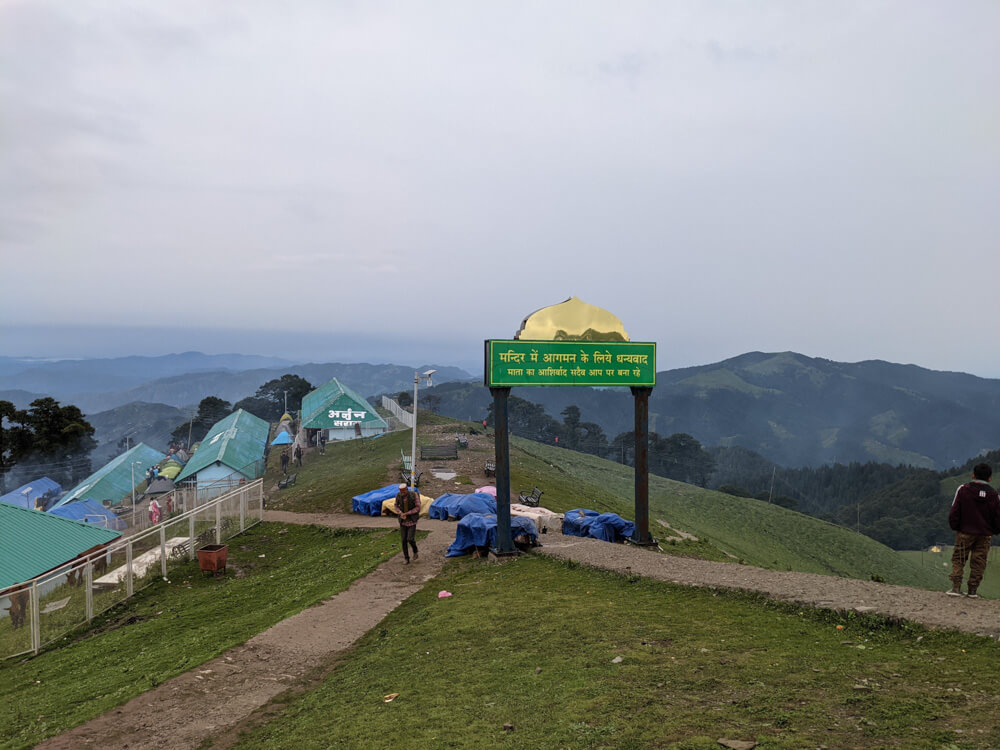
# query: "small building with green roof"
114,481
341,412
231,453
33,543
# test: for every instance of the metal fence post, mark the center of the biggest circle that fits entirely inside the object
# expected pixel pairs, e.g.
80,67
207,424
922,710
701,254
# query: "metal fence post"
243,510
218,523
260,499
88,583
191,537
36,624
128,569
163,551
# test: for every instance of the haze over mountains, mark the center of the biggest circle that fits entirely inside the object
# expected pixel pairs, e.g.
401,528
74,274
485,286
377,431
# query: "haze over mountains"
792,409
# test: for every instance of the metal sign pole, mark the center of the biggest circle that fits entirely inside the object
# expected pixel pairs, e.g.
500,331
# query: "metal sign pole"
505,540
642,535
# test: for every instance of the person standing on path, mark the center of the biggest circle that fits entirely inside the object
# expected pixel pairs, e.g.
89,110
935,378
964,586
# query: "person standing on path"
408,509
284,461
298,455
975,518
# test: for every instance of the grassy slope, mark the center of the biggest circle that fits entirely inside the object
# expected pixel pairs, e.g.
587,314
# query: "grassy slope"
170,628
531,644
757,532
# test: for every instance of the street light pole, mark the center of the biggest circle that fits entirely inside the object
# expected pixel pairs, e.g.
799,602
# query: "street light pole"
132,465
417,377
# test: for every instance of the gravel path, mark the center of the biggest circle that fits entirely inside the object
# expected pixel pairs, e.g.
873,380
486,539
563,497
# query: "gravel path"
931,608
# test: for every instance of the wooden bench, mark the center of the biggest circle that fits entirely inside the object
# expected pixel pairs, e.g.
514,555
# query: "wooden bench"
288,481
530,498
491,468
438,452
404,477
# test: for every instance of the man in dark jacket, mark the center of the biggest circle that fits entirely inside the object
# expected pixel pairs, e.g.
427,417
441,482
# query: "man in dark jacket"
408,509
975,518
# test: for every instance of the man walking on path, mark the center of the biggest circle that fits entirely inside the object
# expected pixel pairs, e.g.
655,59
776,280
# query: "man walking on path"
408,509
284,462
298,455
975,518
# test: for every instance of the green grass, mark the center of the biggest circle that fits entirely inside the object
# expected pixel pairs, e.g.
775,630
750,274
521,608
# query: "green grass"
169,628
531,643
938,564
753,531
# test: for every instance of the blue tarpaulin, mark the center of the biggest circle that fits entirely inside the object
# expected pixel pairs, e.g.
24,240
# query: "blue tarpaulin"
92,512
25,495
450,505
608,527
370,503
282,438
480,530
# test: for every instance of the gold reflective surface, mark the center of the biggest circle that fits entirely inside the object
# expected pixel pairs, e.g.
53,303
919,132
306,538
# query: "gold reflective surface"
572,320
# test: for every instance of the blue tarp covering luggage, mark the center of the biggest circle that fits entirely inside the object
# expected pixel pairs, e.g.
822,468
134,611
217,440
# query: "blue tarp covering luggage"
282,438
608,527
370,503
480,530
92,512
450,505
25,495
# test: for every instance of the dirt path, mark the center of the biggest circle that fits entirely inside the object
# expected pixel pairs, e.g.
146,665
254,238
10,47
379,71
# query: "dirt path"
213,698
931,608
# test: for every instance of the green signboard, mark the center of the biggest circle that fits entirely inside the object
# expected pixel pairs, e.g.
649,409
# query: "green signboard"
596,363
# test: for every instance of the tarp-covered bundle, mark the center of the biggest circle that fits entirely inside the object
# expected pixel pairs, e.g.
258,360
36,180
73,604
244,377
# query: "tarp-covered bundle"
160,486
450,505
115,479
389,505
480,530
27,495
170,470
608,527
282,438
370,503
545,520
92,512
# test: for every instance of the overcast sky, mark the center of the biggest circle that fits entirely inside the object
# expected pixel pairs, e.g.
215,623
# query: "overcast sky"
361,180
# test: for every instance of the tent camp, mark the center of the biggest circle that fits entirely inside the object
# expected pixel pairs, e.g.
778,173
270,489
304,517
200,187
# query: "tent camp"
341,412
480,530
114,481
38,494
231,452
282,438
452,506
92,512
33,543
608,527
370,503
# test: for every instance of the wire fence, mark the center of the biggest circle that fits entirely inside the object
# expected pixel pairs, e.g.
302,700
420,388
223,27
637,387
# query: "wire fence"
397,411
35,613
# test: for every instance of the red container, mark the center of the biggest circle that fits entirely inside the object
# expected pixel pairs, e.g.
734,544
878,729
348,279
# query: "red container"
212,558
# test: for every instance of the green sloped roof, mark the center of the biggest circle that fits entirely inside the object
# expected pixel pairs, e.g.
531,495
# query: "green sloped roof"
335,396
32,542
113,481
236,441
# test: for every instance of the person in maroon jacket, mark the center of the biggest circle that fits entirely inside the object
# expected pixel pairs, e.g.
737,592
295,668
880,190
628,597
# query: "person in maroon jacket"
408,509
975,518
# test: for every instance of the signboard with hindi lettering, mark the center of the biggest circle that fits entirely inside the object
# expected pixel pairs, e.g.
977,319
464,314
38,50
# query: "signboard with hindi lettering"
595,363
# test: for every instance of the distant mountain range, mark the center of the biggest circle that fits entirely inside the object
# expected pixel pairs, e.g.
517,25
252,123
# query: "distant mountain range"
792,409
182,380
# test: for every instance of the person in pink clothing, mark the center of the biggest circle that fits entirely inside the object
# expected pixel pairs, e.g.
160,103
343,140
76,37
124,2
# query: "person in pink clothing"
155,511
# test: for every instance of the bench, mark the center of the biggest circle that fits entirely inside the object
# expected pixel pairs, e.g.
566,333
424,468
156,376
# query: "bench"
407,461
491,468
530,498
437,452
288,481
404,477
462,442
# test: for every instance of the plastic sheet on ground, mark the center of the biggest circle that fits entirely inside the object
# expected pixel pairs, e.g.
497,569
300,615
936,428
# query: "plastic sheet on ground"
451,505
480,530
389,505
608,527
370,503
489,489
92,512
546,521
